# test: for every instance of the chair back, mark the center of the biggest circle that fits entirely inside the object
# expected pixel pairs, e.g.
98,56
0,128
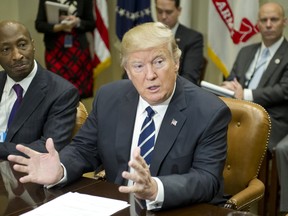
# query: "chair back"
81,117
248,136
203,69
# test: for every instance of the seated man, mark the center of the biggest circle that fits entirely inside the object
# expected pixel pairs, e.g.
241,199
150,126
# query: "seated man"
46,104
263,79
189,41
176,159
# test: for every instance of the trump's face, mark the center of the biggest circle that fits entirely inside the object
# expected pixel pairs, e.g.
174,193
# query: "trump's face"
153,72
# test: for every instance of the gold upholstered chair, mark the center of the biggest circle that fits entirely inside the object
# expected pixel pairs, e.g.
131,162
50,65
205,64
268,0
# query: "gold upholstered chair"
247,140
81,116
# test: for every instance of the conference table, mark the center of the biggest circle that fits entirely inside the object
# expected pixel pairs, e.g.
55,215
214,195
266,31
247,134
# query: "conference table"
17,198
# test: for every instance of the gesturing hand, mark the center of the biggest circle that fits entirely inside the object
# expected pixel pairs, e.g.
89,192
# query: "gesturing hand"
41,168
144,187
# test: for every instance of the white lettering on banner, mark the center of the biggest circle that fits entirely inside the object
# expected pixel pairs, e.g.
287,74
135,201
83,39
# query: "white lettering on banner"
246,29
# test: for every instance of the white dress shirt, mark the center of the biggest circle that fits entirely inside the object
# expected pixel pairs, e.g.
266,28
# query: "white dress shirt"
9,96
141,114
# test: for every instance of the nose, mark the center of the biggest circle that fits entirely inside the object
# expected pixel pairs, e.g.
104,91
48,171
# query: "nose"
16,54
150,73
268,23
163,15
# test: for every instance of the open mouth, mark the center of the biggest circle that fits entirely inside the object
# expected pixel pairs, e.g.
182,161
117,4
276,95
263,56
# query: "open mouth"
153,88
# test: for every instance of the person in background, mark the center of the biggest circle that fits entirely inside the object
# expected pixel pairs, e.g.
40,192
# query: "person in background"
189,41
46,102
267,86
67,49
186,152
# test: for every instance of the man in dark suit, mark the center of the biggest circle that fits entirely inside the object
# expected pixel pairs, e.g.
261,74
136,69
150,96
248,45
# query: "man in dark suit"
48,107
188,40
190,131
271,89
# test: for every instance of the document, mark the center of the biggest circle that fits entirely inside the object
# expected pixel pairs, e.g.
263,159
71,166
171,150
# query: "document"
54,10
73,203
218,90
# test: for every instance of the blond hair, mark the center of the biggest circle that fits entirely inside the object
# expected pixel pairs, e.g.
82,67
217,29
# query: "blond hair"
148,35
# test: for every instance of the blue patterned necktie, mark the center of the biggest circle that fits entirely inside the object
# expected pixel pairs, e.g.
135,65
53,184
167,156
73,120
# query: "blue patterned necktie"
259,69
19,92
147,136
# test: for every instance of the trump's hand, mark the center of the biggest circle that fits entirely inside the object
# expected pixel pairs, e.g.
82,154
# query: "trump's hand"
144,187
41,168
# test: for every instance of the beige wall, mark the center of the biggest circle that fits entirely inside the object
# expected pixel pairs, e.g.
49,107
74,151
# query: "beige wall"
25,11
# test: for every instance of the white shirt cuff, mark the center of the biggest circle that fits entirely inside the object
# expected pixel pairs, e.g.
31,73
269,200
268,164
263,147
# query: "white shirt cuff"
158,202
247,95
63,180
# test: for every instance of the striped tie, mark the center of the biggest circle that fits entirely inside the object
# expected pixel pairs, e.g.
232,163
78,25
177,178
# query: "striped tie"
147,136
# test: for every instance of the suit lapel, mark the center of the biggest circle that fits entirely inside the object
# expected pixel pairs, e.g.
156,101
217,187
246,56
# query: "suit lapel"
247,61
178,35
35,94
170,128
125,126
271,71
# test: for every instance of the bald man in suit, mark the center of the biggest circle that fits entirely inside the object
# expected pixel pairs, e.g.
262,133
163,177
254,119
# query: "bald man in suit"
271,88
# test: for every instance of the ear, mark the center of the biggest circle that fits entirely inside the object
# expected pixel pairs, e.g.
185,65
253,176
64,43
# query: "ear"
257,24
177,65
32,42
285,21
127,72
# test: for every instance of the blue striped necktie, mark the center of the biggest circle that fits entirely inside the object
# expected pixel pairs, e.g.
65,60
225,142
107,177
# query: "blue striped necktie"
259,69
19,92
147,136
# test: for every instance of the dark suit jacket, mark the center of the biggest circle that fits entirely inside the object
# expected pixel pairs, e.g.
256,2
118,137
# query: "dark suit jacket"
188,157
85,13
272,91
190,43
48,109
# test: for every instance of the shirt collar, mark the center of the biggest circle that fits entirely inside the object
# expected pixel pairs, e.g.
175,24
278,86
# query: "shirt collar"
159,108
24,83
174,29
273,48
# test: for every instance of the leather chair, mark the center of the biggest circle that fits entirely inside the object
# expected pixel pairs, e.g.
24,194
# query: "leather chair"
81,116
269,205
247,140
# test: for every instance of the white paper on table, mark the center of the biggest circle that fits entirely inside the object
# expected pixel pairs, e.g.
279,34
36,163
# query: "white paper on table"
73,203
